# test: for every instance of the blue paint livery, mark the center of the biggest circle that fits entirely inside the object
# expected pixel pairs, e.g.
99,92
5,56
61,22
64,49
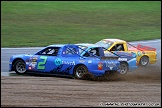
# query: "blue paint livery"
128,58
64,62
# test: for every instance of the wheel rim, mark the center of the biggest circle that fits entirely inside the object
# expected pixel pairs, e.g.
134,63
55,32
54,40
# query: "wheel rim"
80,71
20,67
144,61
123,69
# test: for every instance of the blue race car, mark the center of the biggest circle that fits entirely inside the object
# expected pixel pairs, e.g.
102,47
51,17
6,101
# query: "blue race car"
65,59
127,60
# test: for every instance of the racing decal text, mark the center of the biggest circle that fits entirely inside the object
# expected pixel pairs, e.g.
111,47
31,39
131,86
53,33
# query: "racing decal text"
58,62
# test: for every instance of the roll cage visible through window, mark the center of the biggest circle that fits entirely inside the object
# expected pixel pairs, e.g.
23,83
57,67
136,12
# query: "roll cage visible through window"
117,47
93,51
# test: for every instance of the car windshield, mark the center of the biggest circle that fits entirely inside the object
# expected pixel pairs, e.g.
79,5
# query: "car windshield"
105,44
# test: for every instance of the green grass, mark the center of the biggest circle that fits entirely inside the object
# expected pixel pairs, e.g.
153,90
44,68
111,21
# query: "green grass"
40,23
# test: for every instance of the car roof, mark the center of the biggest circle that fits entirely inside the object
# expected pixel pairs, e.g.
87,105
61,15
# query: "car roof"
87,44
57,45
114,40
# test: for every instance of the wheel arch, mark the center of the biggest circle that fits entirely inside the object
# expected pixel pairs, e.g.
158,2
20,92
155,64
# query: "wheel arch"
144,56
14,61
77,66
125,62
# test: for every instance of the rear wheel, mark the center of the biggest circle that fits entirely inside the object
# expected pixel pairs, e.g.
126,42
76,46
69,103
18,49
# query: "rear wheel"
20,67
123,68
144,61
80,71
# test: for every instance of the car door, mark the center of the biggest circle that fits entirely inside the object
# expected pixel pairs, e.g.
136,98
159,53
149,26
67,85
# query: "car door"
68,59
46,59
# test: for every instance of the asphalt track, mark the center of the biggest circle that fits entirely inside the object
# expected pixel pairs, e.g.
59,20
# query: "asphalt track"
139,88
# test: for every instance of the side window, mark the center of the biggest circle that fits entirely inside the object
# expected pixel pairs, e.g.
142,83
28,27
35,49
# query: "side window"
55,52
86,54
120,47
95,51
50,51
70,50
117,47
113,48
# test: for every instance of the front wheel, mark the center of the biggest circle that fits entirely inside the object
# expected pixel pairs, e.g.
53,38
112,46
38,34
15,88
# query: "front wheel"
144,61
80,71
20,67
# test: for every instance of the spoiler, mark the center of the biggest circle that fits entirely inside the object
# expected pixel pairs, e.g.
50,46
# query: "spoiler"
142,47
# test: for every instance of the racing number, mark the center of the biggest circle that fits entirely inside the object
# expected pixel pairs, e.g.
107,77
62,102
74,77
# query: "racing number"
42,63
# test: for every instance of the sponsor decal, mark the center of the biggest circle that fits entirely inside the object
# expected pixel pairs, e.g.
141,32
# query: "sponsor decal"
111,68
110,64
34,59
14,56
100,65
69,63
122,59
28,55
32,65
58,62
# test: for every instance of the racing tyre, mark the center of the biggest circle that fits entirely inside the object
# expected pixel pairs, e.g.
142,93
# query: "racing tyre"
20,67
123,68
80,71
144,61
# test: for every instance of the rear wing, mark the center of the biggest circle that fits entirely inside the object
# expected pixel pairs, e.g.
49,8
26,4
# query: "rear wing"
142,47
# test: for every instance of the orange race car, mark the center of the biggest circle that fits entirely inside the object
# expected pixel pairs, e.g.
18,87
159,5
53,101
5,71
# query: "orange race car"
144,54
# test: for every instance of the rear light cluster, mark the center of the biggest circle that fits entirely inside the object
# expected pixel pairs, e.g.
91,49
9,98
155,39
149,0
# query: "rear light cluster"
100,65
